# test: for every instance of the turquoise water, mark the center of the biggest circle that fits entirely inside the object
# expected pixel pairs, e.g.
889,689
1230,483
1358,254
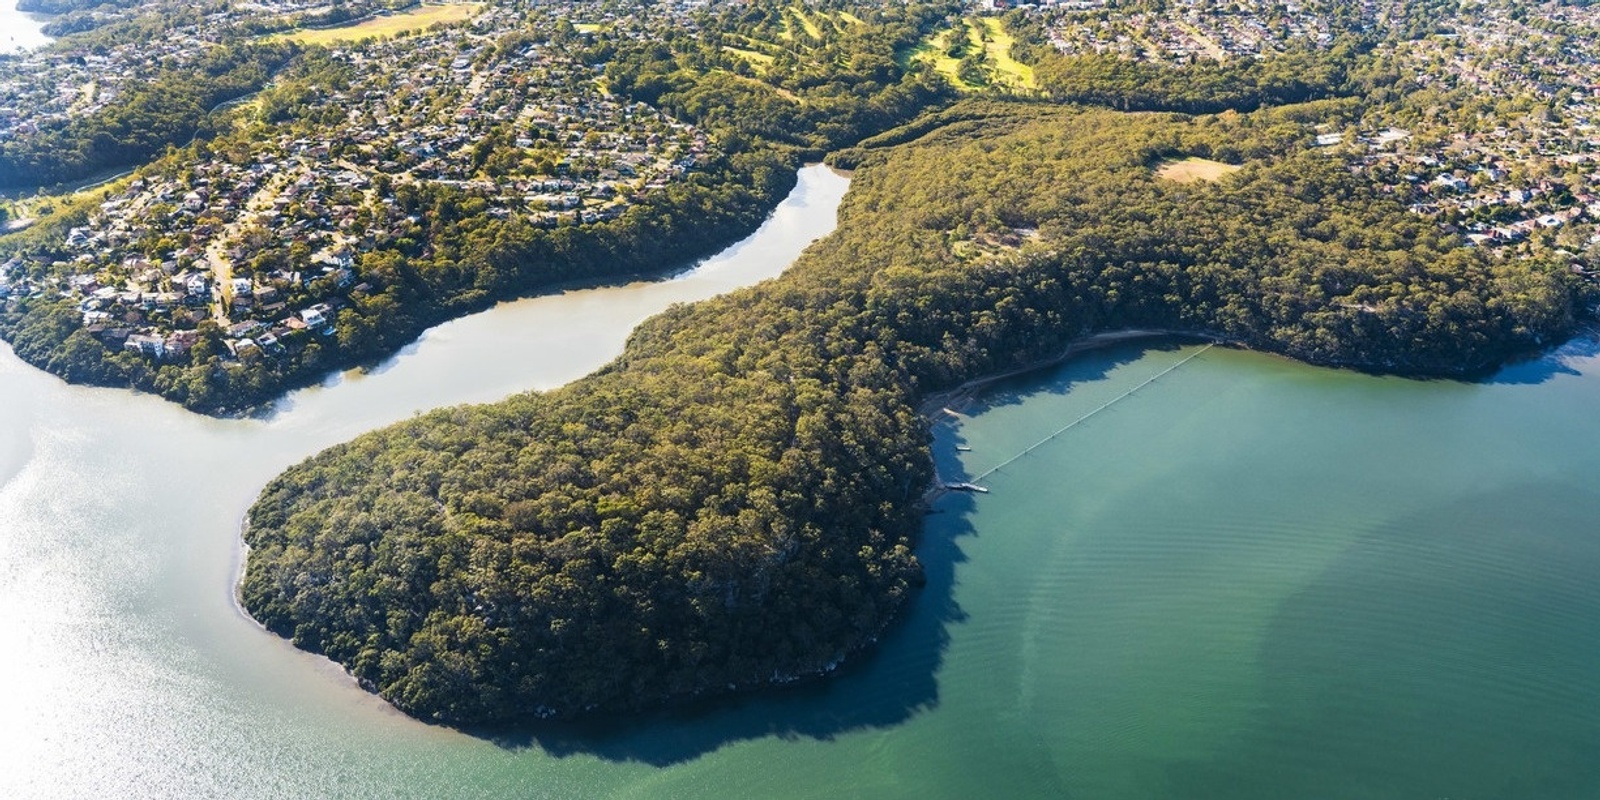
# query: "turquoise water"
1253,579
1247,579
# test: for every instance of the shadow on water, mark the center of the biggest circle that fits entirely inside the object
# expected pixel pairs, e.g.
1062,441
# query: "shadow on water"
886,686
1550,364
1422,653
898,680
389,362
882,688
1088,367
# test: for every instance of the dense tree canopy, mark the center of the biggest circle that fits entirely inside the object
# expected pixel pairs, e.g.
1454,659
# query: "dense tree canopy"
455,263
166,110
823,92
814,93
1205,86
734,500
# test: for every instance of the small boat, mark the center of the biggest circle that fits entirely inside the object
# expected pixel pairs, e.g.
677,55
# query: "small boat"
961,448
966,487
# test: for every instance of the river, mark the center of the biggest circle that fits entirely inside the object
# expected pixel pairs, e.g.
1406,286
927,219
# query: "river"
129,672
1247,579
20,31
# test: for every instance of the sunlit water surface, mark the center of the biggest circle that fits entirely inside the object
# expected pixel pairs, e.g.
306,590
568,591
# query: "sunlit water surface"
19,31
1247,579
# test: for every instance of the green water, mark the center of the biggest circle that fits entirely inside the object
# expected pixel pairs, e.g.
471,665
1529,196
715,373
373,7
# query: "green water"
1248,579
1253,579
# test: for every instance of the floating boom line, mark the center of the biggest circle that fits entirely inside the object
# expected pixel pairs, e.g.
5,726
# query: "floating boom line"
1109,403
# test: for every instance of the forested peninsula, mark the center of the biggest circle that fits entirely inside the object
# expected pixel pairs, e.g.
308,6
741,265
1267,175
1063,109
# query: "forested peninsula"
734,501
1400,187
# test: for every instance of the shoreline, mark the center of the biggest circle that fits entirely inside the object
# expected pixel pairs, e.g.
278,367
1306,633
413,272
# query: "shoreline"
940,403
950,402
728,231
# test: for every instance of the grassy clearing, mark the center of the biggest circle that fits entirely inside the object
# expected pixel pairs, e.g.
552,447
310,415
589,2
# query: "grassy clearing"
1190,170
798,32
590,27
37,217
1007,69
758,60
781,92
761,46
806,22
757,82
417,19
985,34
935,52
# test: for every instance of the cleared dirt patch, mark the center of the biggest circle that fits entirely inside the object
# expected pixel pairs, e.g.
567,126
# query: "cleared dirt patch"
1189,170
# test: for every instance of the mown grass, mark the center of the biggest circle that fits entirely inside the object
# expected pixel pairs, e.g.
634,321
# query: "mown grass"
758,60
760,52
986,33
1006,68
417,19
934,50
810,25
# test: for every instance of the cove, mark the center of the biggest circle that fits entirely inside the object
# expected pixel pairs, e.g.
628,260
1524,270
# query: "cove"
1249,578
1252,579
